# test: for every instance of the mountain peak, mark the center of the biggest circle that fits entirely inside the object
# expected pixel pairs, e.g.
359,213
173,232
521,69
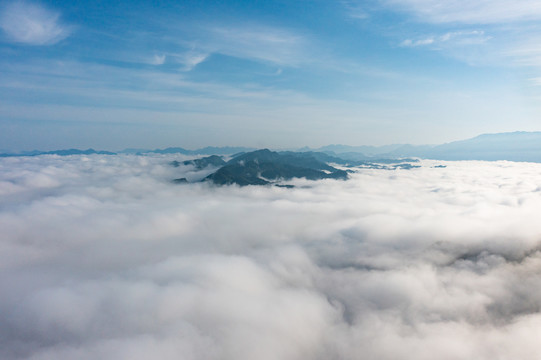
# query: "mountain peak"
263,167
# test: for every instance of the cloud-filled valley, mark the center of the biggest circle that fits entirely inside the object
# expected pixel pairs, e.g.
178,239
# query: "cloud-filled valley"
103,257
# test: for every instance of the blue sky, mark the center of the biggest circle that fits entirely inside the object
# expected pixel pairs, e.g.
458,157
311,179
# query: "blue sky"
274,74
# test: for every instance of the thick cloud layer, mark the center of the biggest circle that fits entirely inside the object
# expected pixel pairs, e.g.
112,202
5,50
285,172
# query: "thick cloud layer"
102,257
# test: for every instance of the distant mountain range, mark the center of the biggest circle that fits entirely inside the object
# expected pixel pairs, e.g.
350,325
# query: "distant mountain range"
209,150
516,146
368,151
65,152
513,146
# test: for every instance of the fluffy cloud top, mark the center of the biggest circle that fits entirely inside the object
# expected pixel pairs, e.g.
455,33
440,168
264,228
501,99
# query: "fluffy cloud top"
31,24
103,257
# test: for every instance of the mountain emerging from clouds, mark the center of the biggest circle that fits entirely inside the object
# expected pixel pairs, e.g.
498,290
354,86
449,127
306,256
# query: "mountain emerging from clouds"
264,167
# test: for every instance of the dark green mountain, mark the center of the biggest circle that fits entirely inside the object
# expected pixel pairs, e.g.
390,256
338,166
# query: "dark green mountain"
263,167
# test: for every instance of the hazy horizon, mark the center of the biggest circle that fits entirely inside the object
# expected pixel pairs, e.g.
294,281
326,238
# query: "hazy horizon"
270,147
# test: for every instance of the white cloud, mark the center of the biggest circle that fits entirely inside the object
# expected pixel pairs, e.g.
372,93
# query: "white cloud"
191,59
32,24
454,38
535,81
506,32
526,51
268,44
470,12
102,257
158,59
260,43
414,43
355,10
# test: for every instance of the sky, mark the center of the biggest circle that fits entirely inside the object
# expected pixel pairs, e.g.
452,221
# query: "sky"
279,74
103,257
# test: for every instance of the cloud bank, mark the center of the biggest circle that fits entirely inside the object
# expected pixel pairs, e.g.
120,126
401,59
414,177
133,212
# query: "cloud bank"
103,257
31,24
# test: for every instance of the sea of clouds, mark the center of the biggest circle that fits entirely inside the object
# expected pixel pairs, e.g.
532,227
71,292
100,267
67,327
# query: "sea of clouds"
103,257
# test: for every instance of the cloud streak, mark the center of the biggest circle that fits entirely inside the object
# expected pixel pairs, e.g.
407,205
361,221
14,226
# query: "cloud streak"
470,12
102,256
254,42
32,24
454,38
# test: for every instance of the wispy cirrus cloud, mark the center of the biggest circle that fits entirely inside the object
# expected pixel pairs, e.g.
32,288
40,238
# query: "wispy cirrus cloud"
535,81
506,29
474,37
32,24
356,10
501,32
526,51
260,43
191,59
188,60
158,59
470,12
419,42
